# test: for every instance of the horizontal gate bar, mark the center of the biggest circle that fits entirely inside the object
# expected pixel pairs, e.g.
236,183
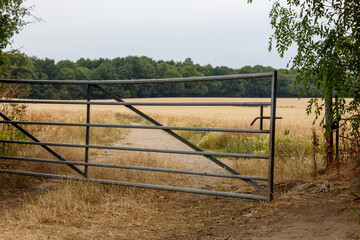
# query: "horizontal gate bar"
143,81
49,150
138,168
140,185
139,126
181,139
188,104
239,155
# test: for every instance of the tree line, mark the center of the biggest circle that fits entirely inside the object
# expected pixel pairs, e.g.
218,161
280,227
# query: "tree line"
20,66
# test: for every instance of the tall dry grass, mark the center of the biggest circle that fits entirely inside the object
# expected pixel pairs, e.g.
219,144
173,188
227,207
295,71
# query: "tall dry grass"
91,211
80,210
75,210
294,151
57,134
292,110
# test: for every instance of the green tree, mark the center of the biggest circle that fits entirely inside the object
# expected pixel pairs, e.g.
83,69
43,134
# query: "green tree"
285,87
66,73
106,71
147,68
18,66
82,73
327,36
45,68
223,70
21,66
190,71
12,13
88,63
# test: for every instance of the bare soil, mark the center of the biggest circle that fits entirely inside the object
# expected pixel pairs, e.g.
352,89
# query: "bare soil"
314,216
305,214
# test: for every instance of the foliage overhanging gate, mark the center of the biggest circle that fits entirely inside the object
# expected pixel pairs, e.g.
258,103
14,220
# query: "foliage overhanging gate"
266,194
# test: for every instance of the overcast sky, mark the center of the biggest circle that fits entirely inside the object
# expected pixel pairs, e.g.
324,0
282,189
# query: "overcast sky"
218,32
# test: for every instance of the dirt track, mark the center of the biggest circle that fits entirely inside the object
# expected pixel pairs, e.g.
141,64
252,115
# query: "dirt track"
292,215
312,216
160,140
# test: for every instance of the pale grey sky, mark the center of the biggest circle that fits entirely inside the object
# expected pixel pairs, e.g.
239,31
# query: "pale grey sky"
217,32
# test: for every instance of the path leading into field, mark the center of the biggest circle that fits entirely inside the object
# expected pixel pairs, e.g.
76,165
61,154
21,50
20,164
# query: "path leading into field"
158,139
312,216
292,215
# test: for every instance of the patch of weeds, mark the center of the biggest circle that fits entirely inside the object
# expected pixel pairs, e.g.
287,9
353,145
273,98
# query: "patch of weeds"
286,132
10,134
126,118
288,145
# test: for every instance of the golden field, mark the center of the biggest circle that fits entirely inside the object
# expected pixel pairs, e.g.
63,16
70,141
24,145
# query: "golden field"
292,111
93,211
294,147
293,143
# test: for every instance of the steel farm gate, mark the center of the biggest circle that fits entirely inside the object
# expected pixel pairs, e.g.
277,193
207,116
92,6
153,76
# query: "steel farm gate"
264,194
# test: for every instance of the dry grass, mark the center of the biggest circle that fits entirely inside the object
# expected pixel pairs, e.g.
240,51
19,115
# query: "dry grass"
291,109
77,210
293,149
138,159
92,211
58,134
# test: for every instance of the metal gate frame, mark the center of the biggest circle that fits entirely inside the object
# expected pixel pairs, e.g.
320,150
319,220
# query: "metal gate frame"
267,194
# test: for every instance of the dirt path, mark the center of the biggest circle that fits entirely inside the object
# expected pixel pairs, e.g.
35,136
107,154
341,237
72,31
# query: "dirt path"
315,216
292,215
161,140
325,219
312,216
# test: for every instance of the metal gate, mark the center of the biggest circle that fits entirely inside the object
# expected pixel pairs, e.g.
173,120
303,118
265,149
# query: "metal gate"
265,194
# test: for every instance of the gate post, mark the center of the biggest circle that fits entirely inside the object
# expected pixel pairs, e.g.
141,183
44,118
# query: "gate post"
272,136
87,129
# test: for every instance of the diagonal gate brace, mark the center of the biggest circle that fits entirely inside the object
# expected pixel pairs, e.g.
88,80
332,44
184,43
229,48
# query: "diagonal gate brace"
173,134
43,146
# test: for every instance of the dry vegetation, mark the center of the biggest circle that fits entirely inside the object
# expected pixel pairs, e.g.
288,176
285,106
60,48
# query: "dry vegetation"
294,148
55,134
85,210
73,210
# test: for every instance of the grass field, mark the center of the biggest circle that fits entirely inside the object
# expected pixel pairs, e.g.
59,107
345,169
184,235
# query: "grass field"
294,148
90,211
294,131
291,109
